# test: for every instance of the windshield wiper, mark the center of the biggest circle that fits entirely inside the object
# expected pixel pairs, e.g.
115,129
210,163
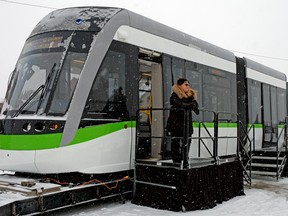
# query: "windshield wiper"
42,87
46,85
28,100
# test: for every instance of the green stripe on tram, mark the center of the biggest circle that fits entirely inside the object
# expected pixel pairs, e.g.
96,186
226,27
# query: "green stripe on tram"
89,133
227,125
211,125
30,142
49,141
255,125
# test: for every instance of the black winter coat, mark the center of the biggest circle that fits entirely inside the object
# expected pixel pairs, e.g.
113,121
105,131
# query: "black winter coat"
175,124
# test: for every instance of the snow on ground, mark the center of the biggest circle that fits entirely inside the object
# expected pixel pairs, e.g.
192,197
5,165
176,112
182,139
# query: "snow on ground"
265,198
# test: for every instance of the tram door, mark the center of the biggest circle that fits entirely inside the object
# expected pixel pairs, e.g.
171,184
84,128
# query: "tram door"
270,116
150,121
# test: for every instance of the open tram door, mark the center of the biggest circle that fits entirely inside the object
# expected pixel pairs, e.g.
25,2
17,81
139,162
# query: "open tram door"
151,125
270,116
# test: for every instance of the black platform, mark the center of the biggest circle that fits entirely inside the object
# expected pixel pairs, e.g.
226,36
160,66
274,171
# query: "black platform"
176,189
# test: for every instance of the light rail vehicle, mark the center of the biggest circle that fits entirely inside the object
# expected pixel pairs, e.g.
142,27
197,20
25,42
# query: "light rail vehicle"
72,100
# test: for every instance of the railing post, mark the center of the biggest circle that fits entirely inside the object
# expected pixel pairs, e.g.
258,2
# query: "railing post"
199,140
250,153
285,135
238,137
186,139
215,141
254,138
277,158
136,151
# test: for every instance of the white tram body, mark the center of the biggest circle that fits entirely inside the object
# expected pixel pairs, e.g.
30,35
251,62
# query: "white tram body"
78,61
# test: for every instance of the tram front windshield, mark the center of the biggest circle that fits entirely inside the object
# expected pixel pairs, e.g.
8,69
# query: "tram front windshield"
47,73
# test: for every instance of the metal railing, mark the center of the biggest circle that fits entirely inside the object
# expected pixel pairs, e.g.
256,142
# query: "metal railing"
245,141
279,151
211,137
186,139
245,150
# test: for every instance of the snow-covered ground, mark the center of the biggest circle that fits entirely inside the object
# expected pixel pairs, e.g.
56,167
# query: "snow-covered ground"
266,197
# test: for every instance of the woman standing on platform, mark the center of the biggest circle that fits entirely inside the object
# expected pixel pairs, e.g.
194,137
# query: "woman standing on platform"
183,99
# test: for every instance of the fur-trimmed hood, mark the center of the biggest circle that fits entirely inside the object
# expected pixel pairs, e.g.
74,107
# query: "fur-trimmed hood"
181,94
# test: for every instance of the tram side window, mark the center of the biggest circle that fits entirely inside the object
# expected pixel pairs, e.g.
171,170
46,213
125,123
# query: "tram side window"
254,97
266,104
167,81
274,113
177,69
107,96
193,74
217,94
281,103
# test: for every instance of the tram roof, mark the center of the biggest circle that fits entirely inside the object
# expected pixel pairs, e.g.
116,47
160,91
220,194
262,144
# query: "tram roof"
95,18
264,69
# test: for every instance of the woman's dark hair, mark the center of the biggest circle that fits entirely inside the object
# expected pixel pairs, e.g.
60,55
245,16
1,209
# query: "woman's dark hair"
180,81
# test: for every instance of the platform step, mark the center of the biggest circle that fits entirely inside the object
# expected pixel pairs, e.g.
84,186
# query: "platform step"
265,165
263,173
267,158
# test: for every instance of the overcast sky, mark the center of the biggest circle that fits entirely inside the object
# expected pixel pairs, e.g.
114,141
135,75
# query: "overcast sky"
256,29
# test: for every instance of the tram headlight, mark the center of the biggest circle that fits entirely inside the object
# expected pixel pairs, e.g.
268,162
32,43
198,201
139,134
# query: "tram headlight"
39,127
27,127
54,126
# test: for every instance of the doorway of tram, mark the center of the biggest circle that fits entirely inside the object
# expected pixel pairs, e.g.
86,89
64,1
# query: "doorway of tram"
150,122
270,116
